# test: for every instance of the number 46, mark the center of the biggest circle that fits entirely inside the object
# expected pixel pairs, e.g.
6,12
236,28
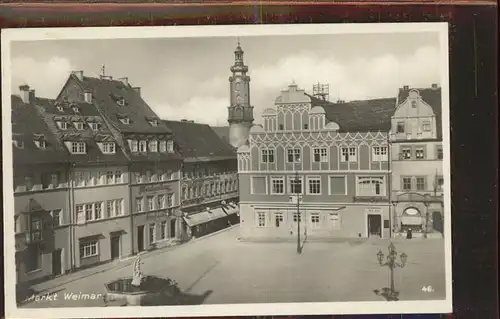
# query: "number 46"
427,289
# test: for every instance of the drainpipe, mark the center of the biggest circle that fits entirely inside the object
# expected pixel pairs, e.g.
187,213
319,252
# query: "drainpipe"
131,210
72,216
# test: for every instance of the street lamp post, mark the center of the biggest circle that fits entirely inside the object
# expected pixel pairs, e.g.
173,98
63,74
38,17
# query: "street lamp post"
426,203
392,263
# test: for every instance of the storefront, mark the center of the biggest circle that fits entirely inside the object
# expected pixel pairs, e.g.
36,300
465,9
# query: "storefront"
202,221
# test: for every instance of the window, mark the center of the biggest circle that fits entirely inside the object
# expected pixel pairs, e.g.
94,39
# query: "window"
153,146
133,144
419,153
121,102
139,204
119,207
335,220
320,155
62,125
258,185
413,104
439,183
278,219
295,185
163,230
379,153
98,210
151,203
170,200
36,228
370,186
338,185
138,177
267,156
80,213
277,185
293,155
142,146
18,144
28,182
420,183
400,127
54,179
161,201
60,108
152,233
78,125
118,177
125,120
94,126
261,219
170,146
426,126
56,217
297,217
33,259
439,152
110,178
89,249
78,147
79,179
314,187
406,183
315,220
405,153
153,122
348,154
163,146
93,211
41,144
45,180
108,148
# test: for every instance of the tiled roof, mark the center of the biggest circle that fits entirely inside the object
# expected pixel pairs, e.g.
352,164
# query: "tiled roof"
106,93
196,140
222,132
93,154
431,96
28,125
359,116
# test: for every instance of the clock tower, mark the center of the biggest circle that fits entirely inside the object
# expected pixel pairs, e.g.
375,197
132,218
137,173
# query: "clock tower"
240,115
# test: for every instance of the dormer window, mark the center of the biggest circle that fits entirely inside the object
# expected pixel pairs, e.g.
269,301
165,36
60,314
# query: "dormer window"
133,144
400,128
60,108
170,146
78,125
153,146
62,125
142,146
163,146
78,148
125,120
94,126
76,109
41,144
18,143
121,102
108,148
426,126
153,122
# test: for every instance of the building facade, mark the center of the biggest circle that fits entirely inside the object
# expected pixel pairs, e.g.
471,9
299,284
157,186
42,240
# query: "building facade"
209,181
331,158
240,112
41,192
151,175
417,161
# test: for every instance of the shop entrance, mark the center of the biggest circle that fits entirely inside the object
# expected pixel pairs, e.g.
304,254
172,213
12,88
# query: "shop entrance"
374,225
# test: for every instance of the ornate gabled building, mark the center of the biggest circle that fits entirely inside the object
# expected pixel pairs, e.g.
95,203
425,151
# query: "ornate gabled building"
240,112
333,157
98,188
41,192
417,161
209,184
153,170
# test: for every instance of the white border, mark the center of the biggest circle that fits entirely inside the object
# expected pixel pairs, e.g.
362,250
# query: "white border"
41,34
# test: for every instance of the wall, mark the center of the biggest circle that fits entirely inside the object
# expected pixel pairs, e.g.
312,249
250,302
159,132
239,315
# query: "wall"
238,134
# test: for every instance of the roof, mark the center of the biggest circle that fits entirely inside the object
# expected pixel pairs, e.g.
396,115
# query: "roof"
222,132
28,126
93,154
359,116
107,92
431,96
196,140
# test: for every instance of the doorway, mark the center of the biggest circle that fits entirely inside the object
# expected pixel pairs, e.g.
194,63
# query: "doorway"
115,247
374,225
57,262
140,238
437,222
173,223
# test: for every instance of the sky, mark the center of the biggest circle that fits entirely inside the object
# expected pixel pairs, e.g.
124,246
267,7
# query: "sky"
187,78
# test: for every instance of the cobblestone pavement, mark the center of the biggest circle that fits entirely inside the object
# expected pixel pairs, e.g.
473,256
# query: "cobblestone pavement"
220,269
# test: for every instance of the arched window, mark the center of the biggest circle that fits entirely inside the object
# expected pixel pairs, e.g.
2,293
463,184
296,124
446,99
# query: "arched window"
370,186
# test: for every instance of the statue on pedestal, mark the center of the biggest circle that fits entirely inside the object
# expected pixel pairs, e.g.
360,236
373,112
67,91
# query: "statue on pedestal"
137,273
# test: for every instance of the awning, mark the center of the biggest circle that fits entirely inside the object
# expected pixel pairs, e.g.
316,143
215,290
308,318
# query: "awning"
230,210
411,220
204,216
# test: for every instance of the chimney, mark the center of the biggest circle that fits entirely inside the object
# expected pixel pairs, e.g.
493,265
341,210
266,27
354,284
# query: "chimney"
78,74
406,87
25,93
87,97
435,86
124,80
138,90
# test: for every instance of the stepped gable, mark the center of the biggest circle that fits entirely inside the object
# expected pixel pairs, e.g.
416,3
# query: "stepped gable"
199,142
